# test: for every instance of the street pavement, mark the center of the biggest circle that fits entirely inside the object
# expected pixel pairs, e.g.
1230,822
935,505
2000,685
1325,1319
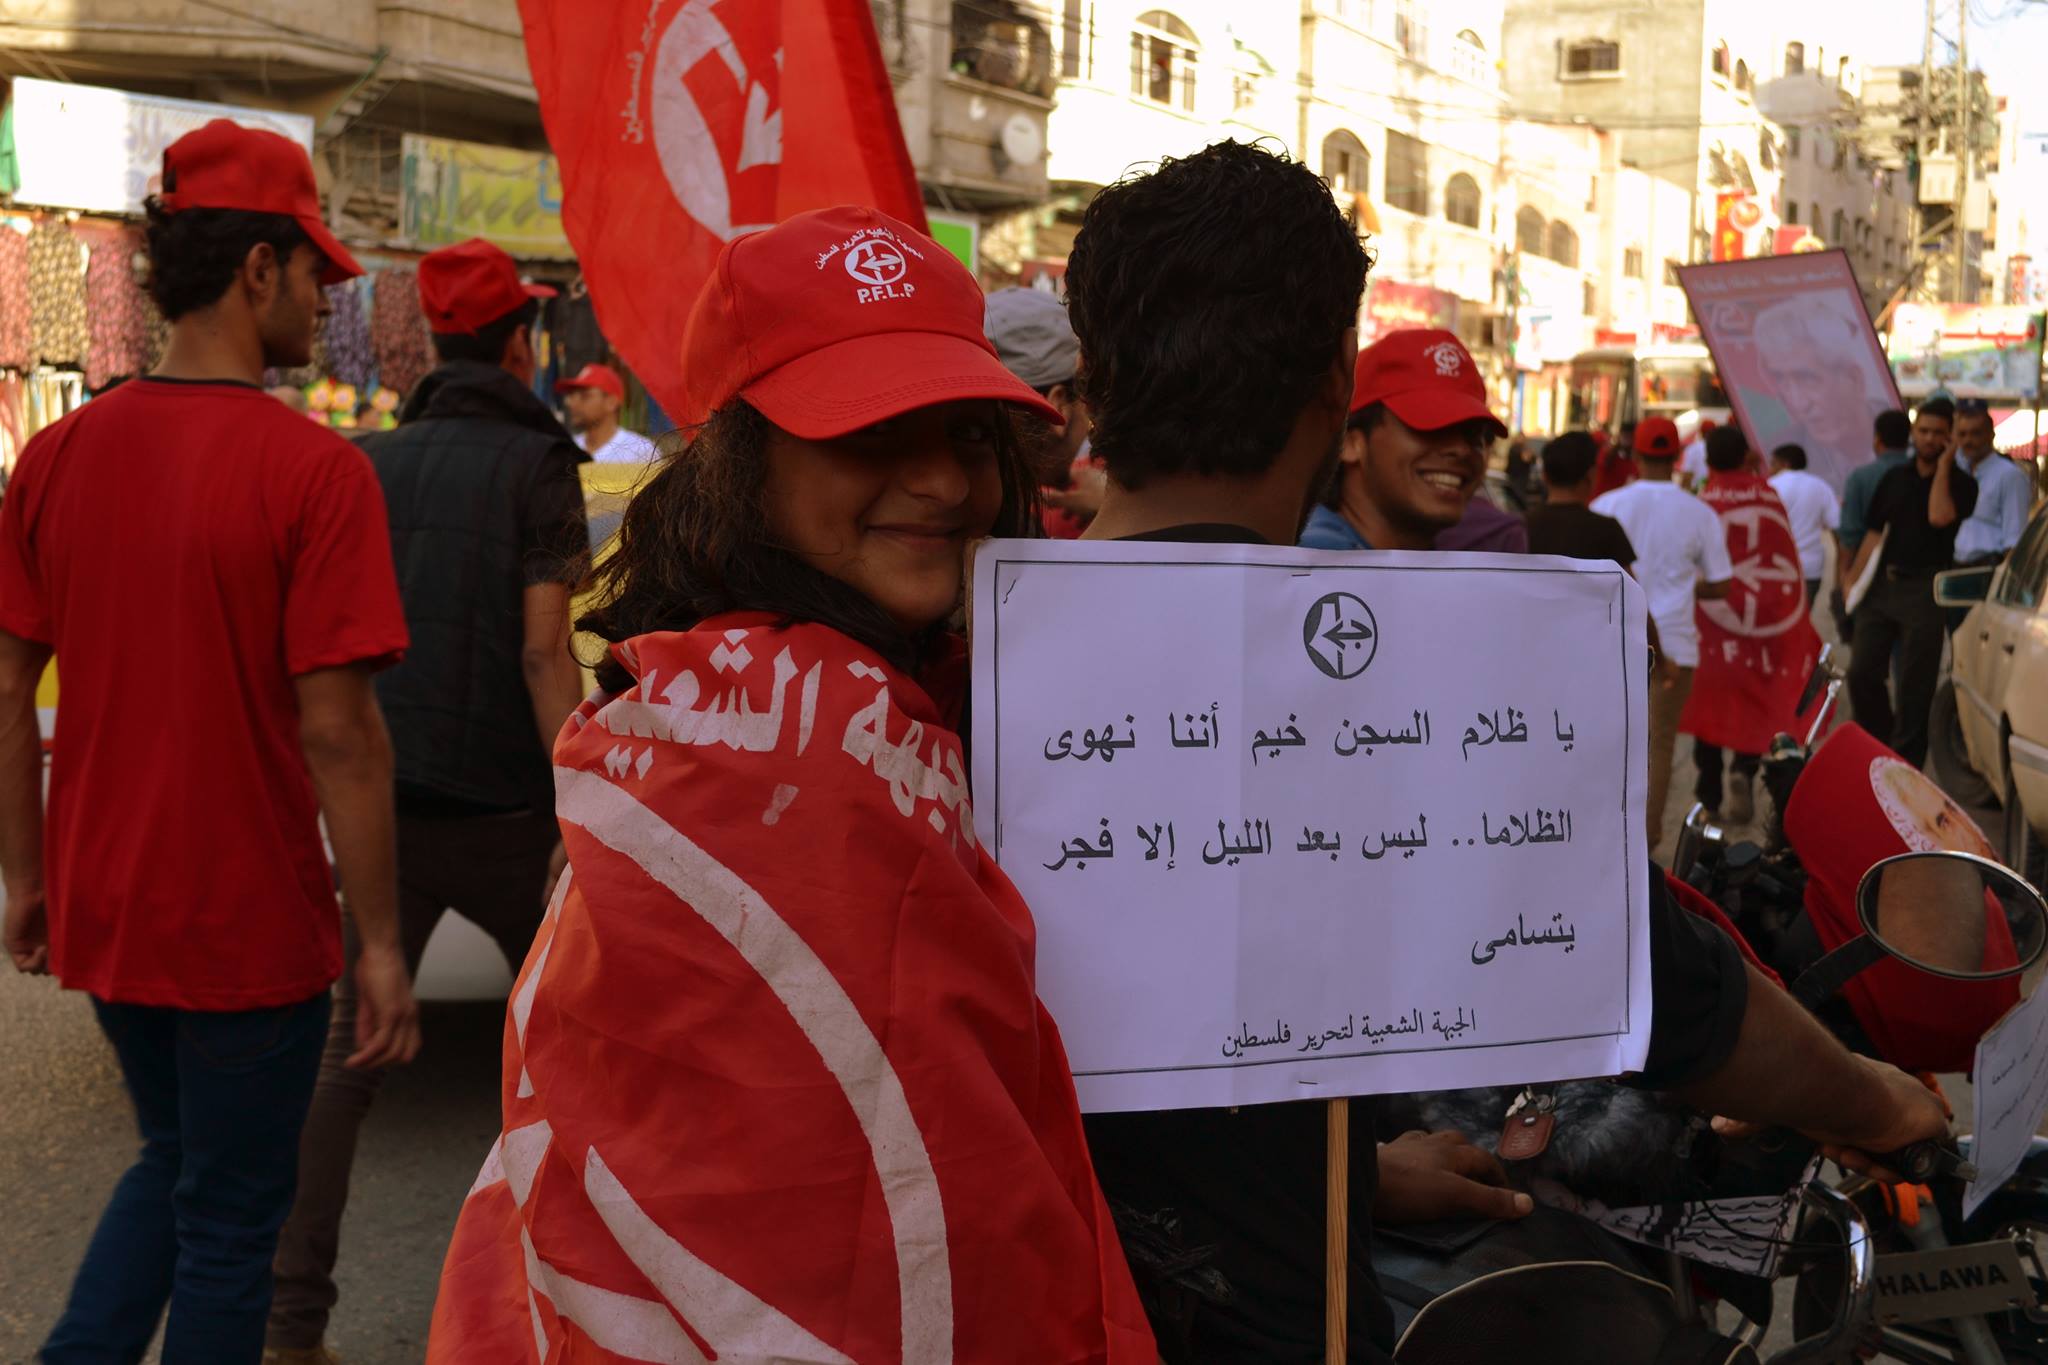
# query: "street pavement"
66,1134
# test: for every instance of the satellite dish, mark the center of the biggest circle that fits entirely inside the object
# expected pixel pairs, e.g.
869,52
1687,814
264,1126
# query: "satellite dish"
1023,142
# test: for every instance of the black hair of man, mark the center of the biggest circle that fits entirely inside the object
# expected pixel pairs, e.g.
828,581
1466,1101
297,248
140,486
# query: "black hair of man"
1791,455
1569,459
1894,430
1940,409
1363,421
194,254
1727,448
487,344
1211,298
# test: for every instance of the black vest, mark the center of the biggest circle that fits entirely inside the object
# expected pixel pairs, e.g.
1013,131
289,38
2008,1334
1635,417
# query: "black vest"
459,477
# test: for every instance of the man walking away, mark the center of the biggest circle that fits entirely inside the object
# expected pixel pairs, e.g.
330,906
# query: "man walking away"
1811,507
1034,340
594,395
1414,447
1757,646
215,571
487,525
1682,559
1891,441
1919,506
2005,493
1564,524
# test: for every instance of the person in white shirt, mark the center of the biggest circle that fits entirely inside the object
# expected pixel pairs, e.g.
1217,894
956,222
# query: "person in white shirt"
1681,558
2005,492
1692,466
594,395
1813,508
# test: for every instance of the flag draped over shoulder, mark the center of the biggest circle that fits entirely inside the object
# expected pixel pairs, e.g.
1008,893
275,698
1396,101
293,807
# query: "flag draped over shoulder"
1757,645
777,1083
680,124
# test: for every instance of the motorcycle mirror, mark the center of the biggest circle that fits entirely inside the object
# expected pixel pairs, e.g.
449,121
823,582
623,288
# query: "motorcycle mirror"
1933,912
1695,836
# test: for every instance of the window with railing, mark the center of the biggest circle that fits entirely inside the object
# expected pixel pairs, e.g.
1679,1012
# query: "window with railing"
1077,23
1461,200
1563,245
1407,173
1632,262
1163,60
1346,165
1589,60
1411,28
1470,61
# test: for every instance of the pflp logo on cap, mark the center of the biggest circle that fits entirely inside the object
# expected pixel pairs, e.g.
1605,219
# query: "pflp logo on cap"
1446,357
876,260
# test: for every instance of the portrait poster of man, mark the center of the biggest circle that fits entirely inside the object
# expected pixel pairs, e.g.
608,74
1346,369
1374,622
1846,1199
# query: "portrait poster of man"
1796,352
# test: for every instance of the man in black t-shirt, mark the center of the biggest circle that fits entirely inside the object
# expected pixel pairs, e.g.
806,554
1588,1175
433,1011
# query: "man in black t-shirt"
1218,416
1918,507
1564,524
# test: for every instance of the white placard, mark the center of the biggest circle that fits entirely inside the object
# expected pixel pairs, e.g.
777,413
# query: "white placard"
2010,1077
1297,824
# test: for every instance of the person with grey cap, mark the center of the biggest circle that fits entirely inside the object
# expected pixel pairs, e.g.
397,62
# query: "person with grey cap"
1030,332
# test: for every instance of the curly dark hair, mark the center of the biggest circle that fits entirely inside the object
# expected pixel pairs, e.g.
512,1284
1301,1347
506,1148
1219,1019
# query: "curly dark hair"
194,254
487,344
1210,296
695,542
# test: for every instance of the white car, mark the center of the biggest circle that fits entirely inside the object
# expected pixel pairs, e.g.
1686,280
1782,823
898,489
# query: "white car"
2001,690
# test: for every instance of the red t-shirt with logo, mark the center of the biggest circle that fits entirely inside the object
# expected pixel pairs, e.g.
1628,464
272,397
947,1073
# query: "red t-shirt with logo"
188,549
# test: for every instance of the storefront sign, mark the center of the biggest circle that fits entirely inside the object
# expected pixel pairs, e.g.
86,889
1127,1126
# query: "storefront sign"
1391,306
86,147
1967,350
454,191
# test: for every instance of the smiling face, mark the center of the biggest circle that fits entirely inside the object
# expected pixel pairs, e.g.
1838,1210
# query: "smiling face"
890,509
1419,481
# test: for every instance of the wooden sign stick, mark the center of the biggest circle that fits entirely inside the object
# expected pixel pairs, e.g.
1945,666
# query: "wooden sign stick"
1337,1236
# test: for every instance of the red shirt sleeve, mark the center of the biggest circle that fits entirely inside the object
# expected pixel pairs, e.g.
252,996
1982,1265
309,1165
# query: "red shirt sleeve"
342,605
24,611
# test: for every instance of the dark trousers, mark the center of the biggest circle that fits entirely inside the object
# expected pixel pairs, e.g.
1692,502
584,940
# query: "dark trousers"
220,1099
492,870
1899,613
1707,787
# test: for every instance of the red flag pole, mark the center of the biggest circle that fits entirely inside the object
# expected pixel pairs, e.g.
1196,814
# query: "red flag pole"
1337,1236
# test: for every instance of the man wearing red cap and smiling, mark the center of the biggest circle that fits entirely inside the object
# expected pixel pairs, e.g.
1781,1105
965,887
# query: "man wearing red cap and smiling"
1414,453
593,396
215,571
487,525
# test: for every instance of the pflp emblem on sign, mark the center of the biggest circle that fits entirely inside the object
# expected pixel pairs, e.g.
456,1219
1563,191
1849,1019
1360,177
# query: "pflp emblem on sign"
1340,634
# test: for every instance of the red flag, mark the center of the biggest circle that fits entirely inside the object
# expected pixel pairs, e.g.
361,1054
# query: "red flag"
777,1085
1758,644
680,124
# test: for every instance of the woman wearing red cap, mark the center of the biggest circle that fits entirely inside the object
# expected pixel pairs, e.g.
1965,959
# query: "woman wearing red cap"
777,1083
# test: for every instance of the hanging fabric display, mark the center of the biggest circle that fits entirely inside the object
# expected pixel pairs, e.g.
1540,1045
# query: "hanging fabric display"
398,331
14,302
117,308
347,334
56,294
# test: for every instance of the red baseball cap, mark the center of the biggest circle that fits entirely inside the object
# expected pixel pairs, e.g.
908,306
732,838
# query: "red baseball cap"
466,287
838,319
1426,376
1657,437
226,166
594,376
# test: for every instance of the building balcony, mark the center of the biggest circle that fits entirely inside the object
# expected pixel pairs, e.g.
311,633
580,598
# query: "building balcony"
988,142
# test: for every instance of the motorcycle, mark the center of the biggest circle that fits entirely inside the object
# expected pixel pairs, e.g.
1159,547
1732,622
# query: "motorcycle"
1923,957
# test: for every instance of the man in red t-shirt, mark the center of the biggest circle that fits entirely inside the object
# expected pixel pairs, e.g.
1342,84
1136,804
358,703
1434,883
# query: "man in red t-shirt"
216,574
